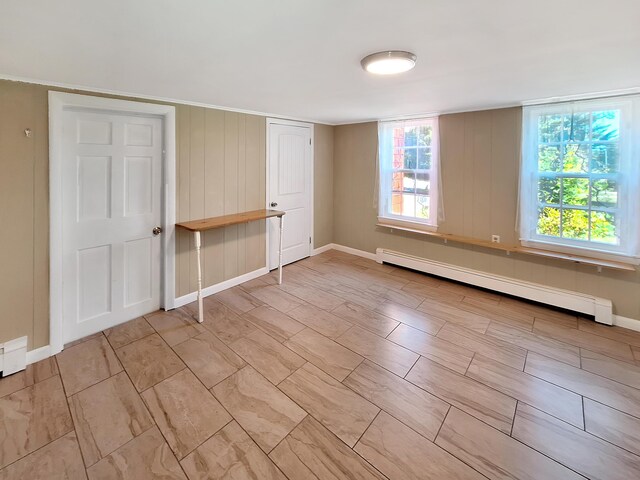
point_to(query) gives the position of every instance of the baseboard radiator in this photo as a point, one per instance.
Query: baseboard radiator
(13, 356)
(600, 308)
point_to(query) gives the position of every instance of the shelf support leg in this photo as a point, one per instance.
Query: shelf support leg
(280, 253)
(196, 236)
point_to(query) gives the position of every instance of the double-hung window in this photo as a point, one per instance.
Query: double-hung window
(408, 173)
(580, 177)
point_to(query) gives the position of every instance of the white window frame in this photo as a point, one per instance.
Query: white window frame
(385, 171)
(628, 180)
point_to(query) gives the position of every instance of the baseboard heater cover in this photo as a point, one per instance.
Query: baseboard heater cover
(13, 356)
(600, 308)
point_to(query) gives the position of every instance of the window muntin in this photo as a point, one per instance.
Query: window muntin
(408, 175)
(578, 166)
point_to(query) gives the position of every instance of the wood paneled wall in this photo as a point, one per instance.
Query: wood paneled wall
(220, 169)
(480, 154)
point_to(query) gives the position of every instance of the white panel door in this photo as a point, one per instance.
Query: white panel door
(111, 197)
(290, 178)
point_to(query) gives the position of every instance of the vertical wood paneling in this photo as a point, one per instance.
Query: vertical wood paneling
(196, 183)
(224, 161)
(480, 154)
(505, 142)
(452, 168)
(242, 189)
(214, 194)
(255, 198)
(183, 239)
(231, 192)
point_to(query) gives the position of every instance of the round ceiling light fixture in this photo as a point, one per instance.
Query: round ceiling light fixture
(389, 62)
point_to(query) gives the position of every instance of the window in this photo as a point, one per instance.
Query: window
(580, 176)
(408, 162)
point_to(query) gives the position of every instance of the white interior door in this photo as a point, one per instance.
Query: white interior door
(111, 198)
(290, 177)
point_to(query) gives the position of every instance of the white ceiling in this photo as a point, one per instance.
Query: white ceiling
(300, 58)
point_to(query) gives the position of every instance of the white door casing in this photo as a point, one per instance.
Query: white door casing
(130, 291)
(111, 202)
(290, 187)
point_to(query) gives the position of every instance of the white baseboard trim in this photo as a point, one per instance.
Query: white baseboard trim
(322, 249)
(38, 354)
(600, 308)
(626, 322)
(218, 287)
(354, 251)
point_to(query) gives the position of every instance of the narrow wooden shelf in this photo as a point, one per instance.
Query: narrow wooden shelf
(227, 220)
(611, 264)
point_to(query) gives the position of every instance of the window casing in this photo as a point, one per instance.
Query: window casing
(408, 173)
(580, 177)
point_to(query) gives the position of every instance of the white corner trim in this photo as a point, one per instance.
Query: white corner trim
(38, 354)
(218, 287)
(625, 322)
(600, 308)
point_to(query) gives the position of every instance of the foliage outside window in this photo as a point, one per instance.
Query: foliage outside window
(580, 176)
(408, 161)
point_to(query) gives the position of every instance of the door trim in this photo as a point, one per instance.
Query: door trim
(278, 121)
(58, 103)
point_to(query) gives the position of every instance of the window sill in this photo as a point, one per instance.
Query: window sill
(582, 259)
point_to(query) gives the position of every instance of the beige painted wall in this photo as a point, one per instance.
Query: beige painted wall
(479, 158)
(323, 185)
(220, 169)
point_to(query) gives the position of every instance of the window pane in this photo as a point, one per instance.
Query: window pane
(422, 183)
(424, 136)
(396, 203)
(550, 128)
(604, 193)
(548, 158)
(398, 158)
(576, 158)
(410, 136)
(603, 227)
(424, 158)
(408, 182)
(408, 205)
(410, 158)
(575, 191)
(397, 181)
(549, 190)
(606, 125)
(422, 206)
(576, 127)
(575, 224)
(549, 221)
(604, 157)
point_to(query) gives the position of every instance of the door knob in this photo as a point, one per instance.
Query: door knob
(157, 230)
(274, 204)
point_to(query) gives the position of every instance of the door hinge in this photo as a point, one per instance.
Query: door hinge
(309, 240)
(309, 141)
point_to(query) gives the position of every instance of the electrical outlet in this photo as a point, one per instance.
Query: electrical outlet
(495, 238)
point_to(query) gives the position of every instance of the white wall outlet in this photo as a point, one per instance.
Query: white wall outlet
(495, 238)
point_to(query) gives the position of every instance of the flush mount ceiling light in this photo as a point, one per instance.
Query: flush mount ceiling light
(389, 62)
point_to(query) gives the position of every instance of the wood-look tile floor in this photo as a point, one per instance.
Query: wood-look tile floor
(349, 370)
